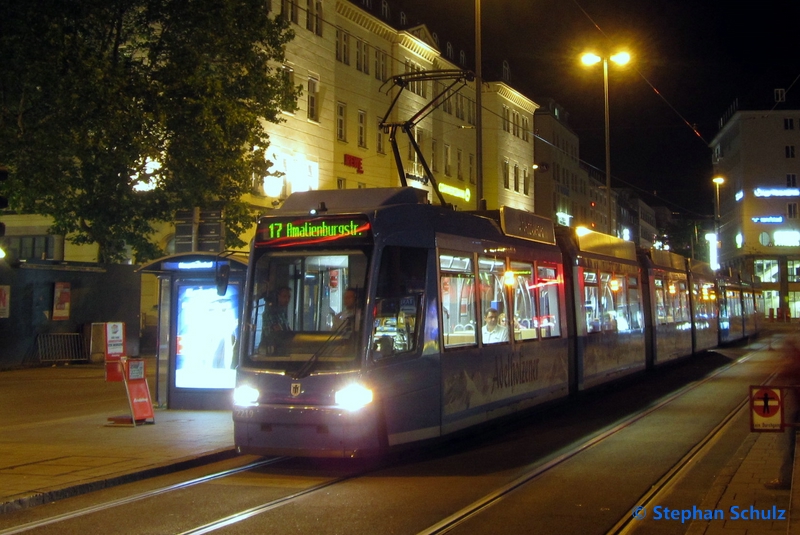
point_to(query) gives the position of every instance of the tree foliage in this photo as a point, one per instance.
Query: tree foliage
(100, 96)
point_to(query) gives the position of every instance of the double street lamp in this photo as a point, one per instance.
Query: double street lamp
(620, 58)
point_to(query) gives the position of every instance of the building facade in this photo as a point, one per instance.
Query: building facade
(345, 56)
(756, 153)
(567, 190)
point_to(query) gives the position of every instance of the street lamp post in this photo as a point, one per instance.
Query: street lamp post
(718, 181)
(620, 58)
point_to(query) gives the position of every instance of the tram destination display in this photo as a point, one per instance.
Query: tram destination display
(313, 230)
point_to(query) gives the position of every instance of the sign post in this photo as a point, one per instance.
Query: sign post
(132, 373)
(766, 409)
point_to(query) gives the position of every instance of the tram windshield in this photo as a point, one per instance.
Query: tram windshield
(305, 308)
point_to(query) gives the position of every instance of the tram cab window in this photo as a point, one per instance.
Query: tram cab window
(457, 284)
(493, 302)
(398, 301)
(295, 298)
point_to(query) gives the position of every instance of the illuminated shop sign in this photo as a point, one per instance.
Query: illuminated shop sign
(563, 218)
(739, 195)
(195, 265)
(279, 231)
(355, 162)
(768, 219)
(786, 238)
(776, 192)
(455, 192)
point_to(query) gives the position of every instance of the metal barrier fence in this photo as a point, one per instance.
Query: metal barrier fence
(60, 347)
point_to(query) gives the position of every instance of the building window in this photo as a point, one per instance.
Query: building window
(449, 49)
(471, 171)
(341, 121)
(362, 185)
(516, 177)
(385, 9)
(31, 247)
(416, 86)
(525, 182)
(791, 210)
(788, 124)
(362, 128)
(318, 18)
(790, 151)
(342, 46)
(506, 172)
(310, 4)
(447, 160)
(506, 71)
(287, 73)
(459, 170)
(515, 117)
(379, 140)
(766, 269)
(380, 65)
(462, 58)
(506, 119)
(794, 270)
(313, 99)
(289, 10)
(525, 129)
(402, 19)
(362, 56)
(791, 180)
(341, 183)
(434, 160)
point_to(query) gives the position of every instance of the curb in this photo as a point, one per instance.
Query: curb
(41, 498)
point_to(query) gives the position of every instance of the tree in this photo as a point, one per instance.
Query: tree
(116, 113)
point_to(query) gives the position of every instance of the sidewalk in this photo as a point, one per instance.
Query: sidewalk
(61, 445)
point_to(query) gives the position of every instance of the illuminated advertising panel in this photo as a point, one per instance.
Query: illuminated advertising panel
(776, 192)
(313, 230)
(767, 219)
(207, 326)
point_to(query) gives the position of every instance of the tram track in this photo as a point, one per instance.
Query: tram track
(661, 487)
(138, 497)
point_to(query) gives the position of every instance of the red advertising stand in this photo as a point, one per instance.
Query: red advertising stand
(132, 373)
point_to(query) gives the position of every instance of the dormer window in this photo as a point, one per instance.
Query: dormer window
(449, 50)
(385, 9)
(462, 58)
(506, 71)
(402, 19)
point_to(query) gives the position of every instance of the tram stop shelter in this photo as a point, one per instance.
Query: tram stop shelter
(199, 306)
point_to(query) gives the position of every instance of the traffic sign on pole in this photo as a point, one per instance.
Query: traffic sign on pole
(766, 408)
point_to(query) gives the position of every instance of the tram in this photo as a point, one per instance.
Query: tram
(374, 319)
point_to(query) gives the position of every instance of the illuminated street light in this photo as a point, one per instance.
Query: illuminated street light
(620, 58)
(718, 181)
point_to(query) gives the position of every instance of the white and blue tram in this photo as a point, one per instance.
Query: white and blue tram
(374, 319)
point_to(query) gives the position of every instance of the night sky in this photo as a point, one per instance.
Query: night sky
(691, 60)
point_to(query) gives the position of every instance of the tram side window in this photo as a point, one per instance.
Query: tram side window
(607, 303)
(457, 284)
(547, 284)
(749, 304)
(398, 301)
(591, 303)
(492, 299)
(661, 303)
(684, 301)
(525, 318)
(634, 304)
(734, 304)
(620, 320)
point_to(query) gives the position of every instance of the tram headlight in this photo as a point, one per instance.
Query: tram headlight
(245, 396)
(353, 397)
